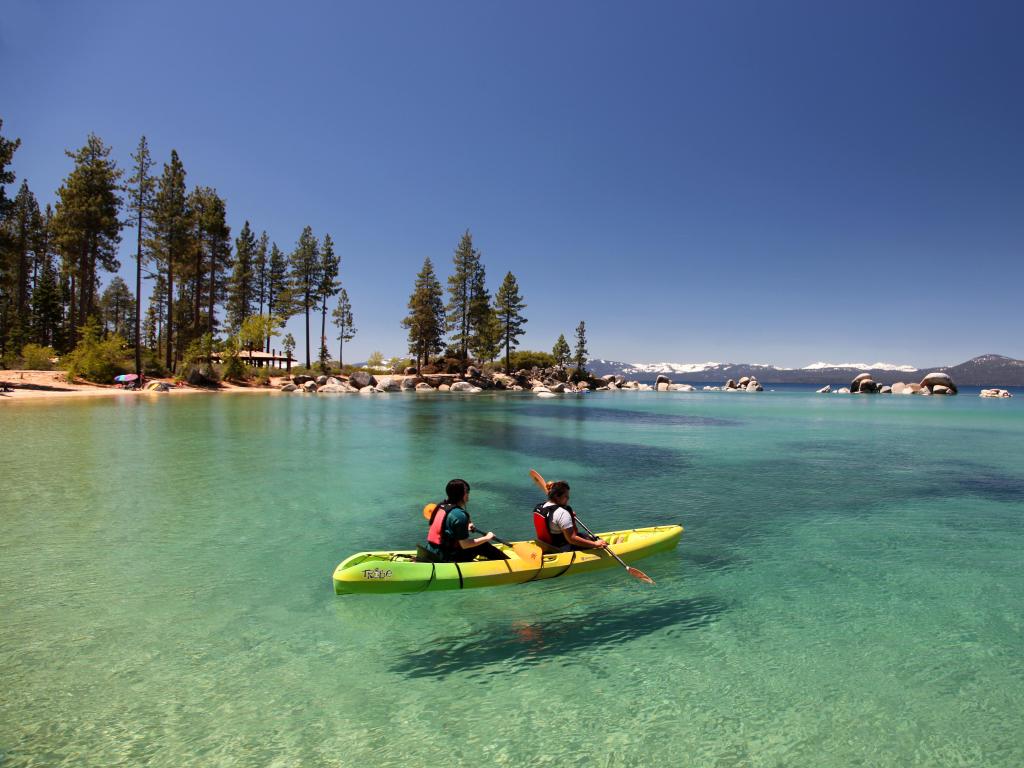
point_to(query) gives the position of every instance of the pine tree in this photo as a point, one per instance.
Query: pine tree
(329, 286)
(305, 276)
(509, 306)
(22, 236)
(260, 269)
(46, 308)
(7, 150)
(214, 240)
(279, 297)
(118, 309)
(463, 301)
(240, 286)
(7, 268)
(480, 312)
(580, 355)
(86, 224)
(141, 188)
(170, 240)
(488, 337)
(561, 352)
(426, 318)
(342, 317)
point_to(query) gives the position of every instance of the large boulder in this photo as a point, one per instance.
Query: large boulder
(409, 382)
(321, 380)
(825, 390)
(558, 387)
(932, 380)
(864, 387)
(301, 379)
(754, 386)
(742, 383)
(424, 387)
(464, 386)
(390, 386)
(332, 389)
(683, 388)
(662, 386)
(939, 389)
(361, 379)
(334, 381)
(662, 379)
(444, 388)
(583, 385)
(730, 384)
(886, 390)
(473, 372)
(898, 387)
(367, 390)
(289, 387)
(309, 386)
(842, 391)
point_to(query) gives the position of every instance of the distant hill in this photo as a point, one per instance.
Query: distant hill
(985, 370)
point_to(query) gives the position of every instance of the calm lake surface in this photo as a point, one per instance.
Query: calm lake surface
(849, 590)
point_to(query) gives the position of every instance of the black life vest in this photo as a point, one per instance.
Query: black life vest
(542, 523)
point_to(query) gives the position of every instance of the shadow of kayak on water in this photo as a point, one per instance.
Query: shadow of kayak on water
(522, 644)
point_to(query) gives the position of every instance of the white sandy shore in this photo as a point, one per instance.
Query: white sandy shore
(41, 386)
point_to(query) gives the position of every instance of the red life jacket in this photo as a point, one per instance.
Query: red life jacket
(437, 518)
(542, 523)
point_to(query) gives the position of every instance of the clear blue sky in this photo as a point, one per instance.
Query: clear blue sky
(774, 182)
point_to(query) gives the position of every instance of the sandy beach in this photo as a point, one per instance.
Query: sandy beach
(41, 386)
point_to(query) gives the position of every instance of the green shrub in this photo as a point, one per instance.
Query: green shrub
(528, 359)
(196, 367)
(234, 368)
(37, 358)
(96, 359)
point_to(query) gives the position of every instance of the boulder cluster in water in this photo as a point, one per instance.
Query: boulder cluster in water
(745, 384)
(546, 381)
(994, 393)
(862, 384)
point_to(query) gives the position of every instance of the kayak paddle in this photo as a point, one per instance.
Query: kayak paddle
(634, 572)
(524, 550)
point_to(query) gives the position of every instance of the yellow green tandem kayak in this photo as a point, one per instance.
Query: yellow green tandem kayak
(398, 572)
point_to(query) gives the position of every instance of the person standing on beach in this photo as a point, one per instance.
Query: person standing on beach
(555, 522)
(448, 539)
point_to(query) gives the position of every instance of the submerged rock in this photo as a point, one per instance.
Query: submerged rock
(825, 390)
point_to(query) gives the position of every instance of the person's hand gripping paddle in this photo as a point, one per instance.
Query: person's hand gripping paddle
(531, 553)
(636, 573)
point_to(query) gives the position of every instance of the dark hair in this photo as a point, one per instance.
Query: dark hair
(557, 490)
(456, 490)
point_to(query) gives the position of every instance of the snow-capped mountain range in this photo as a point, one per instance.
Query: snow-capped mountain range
(986, 370)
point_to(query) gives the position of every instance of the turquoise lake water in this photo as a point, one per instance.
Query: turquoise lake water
(849, 590)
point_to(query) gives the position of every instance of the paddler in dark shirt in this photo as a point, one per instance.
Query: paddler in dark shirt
(448, 539)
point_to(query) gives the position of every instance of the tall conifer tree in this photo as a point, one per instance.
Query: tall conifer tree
(509, 306)
(305, 276)
(240, 287)
(461, 296)
(170, 240)
(342, 317)
(581, 352)
(260, 268)
(141, 188)
(87, 223)
(279, 297)
(426, 318)
(329, 286)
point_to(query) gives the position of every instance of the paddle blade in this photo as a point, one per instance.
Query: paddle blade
(638, 574)
(428, 510)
